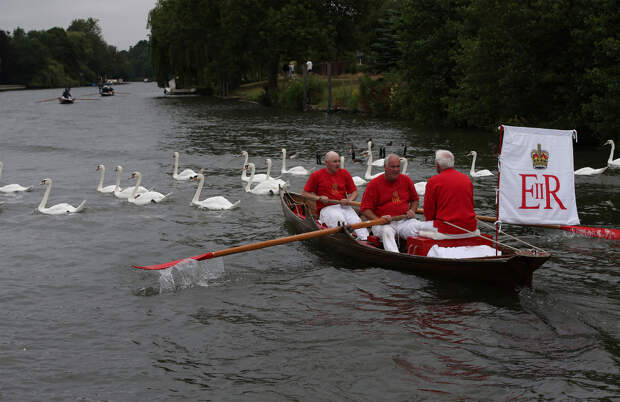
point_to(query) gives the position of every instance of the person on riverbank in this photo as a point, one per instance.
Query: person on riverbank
(334, 183)
(388, 195)
(66, 93)
(449, 197)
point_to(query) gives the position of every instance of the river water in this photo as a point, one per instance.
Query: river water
(282, 323)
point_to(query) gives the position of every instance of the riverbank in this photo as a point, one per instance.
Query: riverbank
(11, 87)
(345, 92)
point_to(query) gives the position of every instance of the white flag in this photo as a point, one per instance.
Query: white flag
(537, 183)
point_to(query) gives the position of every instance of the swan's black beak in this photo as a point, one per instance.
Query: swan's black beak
(42, 182)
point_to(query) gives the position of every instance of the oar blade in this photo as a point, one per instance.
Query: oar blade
(169, 264)
(601, 233)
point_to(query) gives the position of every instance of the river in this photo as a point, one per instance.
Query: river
(281, 323)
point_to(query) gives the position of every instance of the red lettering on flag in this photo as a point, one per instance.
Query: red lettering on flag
(527, 190)
(549, 192)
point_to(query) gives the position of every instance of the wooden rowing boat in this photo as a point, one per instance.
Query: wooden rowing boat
(64, 100)
(511, 269)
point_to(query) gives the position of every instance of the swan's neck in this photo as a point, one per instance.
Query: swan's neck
(118, 180)
(135, 189)
(175, 171)
(342, 162)
(100, 186)
(46, 195)
(283, 161)
(201, 182)
(610, 160)
(405, 165)
(1, 164)
(244, 175)
(368, 170)
(268, 168)
(473, 165)
(253, 170)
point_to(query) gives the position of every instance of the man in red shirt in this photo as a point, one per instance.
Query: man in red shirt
(389, 195)
(449, 197)
(333, 183)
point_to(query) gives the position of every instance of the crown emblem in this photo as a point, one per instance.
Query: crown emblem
(540, 158)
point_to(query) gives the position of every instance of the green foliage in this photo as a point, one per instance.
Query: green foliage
(385, 53)
(291, 92)
(212, 43)
(57, 58)
(377, 96)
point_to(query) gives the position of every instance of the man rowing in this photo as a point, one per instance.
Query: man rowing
(389, 195)
(449, 198)
(334, 183)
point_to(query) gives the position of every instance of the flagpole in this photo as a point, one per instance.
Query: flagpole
(501, 138)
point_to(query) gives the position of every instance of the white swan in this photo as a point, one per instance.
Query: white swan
(420, 187)
(58, 209)
(12, 188)
(270, 187)
(257, 178)
(126, 192)
(403, 165)
(588, 171)
(472, 171)
(275, 180)
(107, 189)
(378, 162)
(297, 170)
(358, 181)
(611, 162)
(216, 203)
(368, 176)
(144, 198)
(185, 174)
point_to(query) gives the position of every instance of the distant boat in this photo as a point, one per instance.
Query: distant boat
(106, 90)
(172, 90)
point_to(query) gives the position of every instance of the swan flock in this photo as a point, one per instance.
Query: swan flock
(260, 184)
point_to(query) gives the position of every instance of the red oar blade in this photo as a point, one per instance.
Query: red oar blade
(601, 233)
(173, 263)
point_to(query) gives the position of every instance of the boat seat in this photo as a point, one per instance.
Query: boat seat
(417, 245)
(443, 236)
(374, 241)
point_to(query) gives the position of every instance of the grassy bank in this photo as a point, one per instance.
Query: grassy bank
(11, 87)
(345, 92)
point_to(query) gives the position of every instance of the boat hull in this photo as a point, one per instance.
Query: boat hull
(513, 269)
(65, 101)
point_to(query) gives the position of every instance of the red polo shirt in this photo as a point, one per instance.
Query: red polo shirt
(335, 186)
(389, 198)
(449, 197)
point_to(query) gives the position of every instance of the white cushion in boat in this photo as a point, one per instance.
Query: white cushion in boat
(462, 252)
(443, 236)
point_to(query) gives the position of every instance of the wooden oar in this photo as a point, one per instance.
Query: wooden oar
(48, 100)
(86, 99)
(268, 243)
(601, 233)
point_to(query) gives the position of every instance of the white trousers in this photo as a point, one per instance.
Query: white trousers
(404, 228)
(333, 214)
